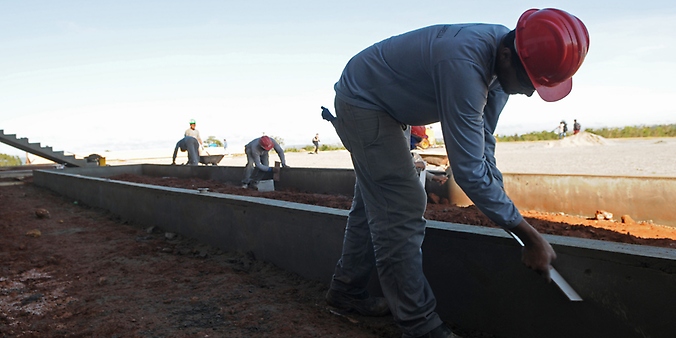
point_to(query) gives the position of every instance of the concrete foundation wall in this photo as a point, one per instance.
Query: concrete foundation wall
(642, 198)
(480, 284)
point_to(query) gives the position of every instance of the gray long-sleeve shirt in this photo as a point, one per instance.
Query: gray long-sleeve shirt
(253, 148)
(442, 73)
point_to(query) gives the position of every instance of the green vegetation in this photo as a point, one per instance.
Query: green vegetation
(668, 130)
(9, 161)
(311, 148)
(532, 136)
(664, 130)
(213, 140)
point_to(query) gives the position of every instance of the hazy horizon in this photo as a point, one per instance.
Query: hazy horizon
(85, 77)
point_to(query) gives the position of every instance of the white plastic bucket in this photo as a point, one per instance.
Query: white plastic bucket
(266, 185)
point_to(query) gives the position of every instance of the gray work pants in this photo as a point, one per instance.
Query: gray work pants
(193, 151)
(251, 173)
(386, 219)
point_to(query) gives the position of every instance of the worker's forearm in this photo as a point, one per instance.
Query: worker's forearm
(528, 235)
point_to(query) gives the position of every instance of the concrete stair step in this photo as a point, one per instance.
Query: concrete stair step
(36, 149)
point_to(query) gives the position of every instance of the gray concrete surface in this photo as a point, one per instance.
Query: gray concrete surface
(628, 290)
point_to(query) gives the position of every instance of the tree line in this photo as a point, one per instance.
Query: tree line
(9, 160)
(663, 130)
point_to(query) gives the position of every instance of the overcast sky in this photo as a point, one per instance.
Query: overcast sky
(91, 76)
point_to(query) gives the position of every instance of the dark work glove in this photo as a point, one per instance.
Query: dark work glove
(326, 114)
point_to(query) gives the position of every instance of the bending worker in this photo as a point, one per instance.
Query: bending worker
(189, 144)
(459, 75)
(257, 155)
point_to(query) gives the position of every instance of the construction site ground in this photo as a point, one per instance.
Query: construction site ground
(73, 271)
(68, 270)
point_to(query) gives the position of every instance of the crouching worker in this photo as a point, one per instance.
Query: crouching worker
(257, 158)
(191, 145)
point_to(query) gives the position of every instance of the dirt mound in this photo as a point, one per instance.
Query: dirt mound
(582, 139)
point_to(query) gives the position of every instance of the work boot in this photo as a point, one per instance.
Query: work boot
(441, 331)
(363, 303)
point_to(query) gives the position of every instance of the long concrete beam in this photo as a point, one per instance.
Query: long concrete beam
(480, 284)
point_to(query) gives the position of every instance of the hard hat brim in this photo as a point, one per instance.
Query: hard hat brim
(556, 92)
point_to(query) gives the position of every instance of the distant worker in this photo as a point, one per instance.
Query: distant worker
(576, 127)
(257, 158)
(560, 130)
(315, 141)
(193, 132)
(418, 137)
(461, 76)
(189, 144)
(225, 145)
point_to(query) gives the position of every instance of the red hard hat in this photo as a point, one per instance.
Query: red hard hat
(418, 131)
(551, 44)
(266, 143)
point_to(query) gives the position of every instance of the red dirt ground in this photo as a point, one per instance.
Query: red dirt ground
(67, 270)
(81, 272)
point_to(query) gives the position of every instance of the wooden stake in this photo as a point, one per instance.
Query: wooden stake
(275, 175)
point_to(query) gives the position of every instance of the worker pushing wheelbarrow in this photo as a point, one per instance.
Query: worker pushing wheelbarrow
(192, 146)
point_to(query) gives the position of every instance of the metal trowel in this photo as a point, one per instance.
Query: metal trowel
(556, 277)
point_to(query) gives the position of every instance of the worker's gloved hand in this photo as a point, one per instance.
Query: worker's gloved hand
(173, 163)
(285, 166)
(326, 114)
(270, 169)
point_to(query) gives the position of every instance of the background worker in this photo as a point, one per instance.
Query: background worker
(257, 158)
(189, 144)
(315, 141)
(417, 136)
(459, 75)
(561, 129)
(576, 127)
(193, 132)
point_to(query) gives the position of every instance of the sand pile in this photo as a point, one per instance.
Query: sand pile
(582, 139)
